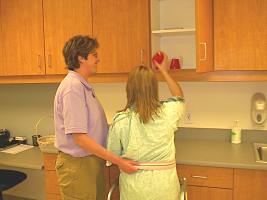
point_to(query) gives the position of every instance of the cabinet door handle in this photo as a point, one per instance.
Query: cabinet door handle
(142, 56)
(48, 60)
(38, 60)
(205, 46)
(199, 176)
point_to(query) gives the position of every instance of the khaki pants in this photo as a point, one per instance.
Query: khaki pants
(81, 178)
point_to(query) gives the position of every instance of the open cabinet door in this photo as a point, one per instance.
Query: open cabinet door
(204, 36)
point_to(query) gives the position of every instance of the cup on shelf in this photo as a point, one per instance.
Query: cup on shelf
(176, 62)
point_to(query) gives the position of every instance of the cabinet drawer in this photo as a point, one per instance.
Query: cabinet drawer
(206, 176)
(49, 161)
(51, 182)
(207, 193)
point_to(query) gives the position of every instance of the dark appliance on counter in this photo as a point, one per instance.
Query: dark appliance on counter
(5, 139)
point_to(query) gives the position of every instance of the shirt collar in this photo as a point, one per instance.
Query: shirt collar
(81, 79)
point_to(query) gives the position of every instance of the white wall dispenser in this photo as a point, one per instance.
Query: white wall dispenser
(258, 109)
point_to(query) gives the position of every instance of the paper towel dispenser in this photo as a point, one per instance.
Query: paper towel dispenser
(258, 109)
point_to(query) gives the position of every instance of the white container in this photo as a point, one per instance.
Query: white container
(236, 133)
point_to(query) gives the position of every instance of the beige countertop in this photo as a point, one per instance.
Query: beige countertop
(188, 152)
(28, 159)
(217, 154)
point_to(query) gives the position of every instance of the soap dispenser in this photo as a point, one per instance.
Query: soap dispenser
(258, 109)
(236, 133)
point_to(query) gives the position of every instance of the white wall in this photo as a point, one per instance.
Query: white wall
(214, 104)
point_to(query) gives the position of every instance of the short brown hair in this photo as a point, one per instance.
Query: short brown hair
(78, 46)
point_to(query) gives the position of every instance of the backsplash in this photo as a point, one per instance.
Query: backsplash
(214, 105)
(259, 136)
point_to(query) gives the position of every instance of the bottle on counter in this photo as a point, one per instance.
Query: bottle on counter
(236, 133)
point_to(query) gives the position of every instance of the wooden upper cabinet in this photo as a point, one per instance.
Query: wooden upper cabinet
(240, 34)
(22, 37)
(34, 32)
(63, 19)
(204, 36)
(123, 30)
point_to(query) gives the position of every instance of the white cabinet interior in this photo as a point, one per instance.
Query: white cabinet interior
(173, 30)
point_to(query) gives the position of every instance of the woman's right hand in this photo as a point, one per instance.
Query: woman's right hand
(163, 66)
(127, 166)
(174, 87)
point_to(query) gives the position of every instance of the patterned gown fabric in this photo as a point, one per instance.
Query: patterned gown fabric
(152, 142)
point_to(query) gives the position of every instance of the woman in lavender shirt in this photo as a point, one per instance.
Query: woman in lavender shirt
(81, 127)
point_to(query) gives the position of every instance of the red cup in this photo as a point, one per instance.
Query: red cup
(175, 64)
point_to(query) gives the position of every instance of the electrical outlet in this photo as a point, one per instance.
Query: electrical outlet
(188, 117)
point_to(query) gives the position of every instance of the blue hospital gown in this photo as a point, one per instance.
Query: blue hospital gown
(128, 138)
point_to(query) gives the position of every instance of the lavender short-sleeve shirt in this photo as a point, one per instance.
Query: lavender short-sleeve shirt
(77, 110)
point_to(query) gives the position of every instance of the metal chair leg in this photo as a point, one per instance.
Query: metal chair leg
(183, 192)
(112, 187)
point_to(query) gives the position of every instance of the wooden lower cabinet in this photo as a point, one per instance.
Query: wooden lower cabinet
(207, 183)
(51, 181)
(53, 197)
(250, 184)
(218, 183)
(203, 183)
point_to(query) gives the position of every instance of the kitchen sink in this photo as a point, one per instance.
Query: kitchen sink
(260, 151)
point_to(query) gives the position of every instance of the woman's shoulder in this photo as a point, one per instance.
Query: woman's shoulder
(173, 105)
(121, 115)
(119, 120)
(175, 99)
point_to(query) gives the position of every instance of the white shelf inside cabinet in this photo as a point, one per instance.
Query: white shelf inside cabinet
(174, 32)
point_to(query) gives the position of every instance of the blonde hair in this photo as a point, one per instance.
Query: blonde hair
(142, 93)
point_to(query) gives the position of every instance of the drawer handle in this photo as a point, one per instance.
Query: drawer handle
(48, 60)
(38, 60)
(205, 46)
(199, 176)
(142, 56)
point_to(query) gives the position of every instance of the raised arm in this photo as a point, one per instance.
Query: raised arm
(174, 87)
